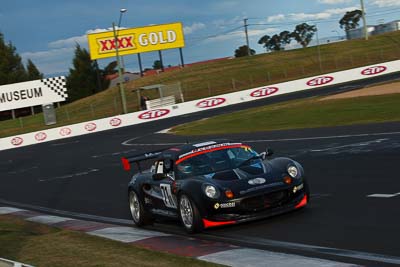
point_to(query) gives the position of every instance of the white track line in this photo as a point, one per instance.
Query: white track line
(68, 176)
(126, 234)
(48, 219)
(126, 143)
(318, 249)
(262, 258)
(321, 137)
(384, 195)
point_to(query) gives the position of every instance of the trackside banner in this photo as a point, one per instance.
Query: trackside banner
(306, 84)
(33, 93)
(136, 40)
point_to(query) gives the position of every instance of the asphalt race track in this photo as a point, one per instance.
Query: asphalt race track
(344, 165)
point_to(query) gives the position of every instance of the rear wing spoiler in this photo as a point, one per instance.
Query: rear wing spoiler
(126, 161)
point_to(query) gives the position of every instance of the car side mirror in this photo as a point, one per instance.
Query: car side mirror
(159, 176)
(269, 152)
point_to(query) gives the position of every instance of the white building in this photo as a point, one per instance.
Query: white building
(359, 32)
(374, 30)
(387, 27)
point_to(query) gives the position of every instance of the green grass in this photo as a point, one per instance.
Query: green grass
(41, 245)
(306, 113)
(220, 77)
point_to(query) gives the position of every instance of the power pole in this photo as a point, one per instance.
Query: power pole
(120, 78)
(364, 20)
(247, 36)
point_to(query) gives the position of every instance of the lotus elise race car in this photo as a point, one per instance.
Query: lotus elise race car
(213, 184)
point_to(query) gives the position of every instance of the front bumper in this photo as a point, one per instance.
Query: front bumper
(238, 215)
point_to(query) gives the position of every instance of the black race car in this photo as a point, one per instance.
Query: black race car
(214, 183)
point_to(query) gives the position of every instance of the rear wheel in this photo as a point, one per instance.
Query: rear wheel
(190, 215)
(139, 215)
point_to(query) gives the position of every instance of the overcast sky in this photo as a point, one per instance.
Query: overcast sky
(47, 31)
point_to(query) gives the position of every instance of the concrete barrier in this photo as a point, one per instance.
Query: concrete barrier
(199, 105)
(8, 263)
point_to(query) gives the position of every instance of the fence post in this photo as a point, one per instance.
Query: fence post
(92, 110)
(21, 123)
(115, 105)
(285, 73)
(233, 84)
(67, 114)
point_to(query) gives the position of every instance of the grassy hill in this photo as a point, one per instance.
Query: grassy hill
(219, 77)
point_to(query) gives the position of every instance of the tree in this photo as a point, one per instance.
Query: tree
(303, 33)
(33, 72)
(264, 41)
(157, 65)
(11, 68)
(277, 42)
(82, 78)
(111, 68)
(285, 38)
(243, 51)
(350, 20)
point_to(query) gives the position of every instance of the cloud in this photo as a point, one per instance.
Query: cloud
(51, 61)
(276, 18)
(326, 14)
(386, 3)
(81, 40)
(225, 23)
(241, 35)
(58, 57)
(334, 2)
(70, 42)
(194, 27)
(225, 5)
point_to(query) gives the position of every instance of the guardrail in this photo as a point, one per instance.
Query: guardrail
(199, 105)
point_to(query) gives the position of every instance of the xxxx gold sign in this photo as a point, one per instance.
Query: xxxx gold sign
(136, 40)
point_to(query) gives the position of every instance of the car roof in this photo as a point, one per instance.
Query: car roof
(177, 152)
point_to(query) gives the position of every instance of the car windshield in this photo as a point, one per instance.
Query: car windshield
(218, 160)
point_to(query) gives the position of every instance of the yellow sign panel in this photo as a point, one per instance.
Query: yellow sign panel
(136, 40)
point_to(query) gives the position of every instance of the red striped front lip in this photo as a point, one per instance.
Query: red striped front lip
(208, 224)
(302, 202)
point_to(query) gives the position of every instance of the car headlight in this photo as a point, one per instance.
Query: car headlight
(293, 171)
(211, 191)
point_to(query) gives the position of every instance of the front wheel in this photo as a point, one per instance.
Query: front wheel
(139, 215)
(190, 215)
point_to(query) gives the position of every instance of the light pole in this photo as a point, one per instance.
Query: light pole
(121, 85)
(364, 20)
(318, 48)
(247, 36)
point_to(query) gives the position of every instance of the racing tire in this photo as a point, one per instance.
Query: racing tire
(139, 215)
(190, 215)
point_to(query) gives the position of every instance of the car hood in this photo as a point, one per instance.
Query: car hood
(248, 179)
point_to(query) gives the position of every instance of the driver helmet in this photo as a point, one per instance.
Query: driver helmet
(185, 167)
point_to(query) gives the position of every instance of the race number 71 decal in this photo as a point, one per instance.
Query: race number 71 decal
(169, 199)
